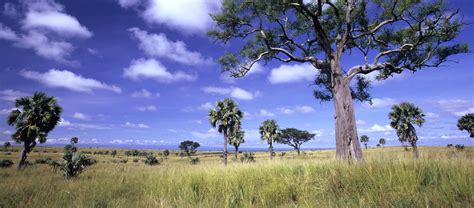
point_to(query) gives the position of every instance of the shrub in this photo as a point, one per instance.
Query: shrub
(6, 163)
(151, 160)
(248, 157)
(74, 162)
(282, 154)
(459, 146)
(135, 160)
(194, 161)
(449, 145)
(123, 161)
(43, 160)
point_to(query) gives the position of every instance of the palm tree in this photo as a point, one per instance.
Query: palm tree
(236, 140)
(364, 139)
(466, 123)
(226, 118)
(382, 142)
(6, 145)
(269, 131)
(33, 119)
(403, 118)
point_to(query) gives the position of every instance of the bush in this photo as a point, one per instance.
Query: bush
(248, 157)
(282, 154)
(449, 145)
(194, 161)
(135, 160)
(151, 160)
(459, 146)
(6, 163)
(123, 161)
(43, 160)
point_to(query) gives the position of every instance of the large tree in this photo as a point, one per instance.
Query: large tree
(294, 137)
(391, 36)
(236, 139)
(33, 119)
(189, 147)
(403, 119)
(466, 123)
(226, 118)
(364, 139)
(269, 131)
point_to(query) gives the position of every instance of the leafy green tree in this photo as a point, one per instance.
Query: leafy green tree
(151, 160)
(33, 119)
(113, 153)
(166, 153)
(269, 131)
(382, 142)
(74, 140)
(226, 118)
(74, 162)
(403, 117)
(294, 137)
(390, 37)
(466, 123)
(236, 139)
(189, 147)
(364, 139)
(6, 145)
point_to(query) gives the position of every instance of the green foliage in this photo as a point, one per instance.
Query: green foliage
(166, 153)
(364, 139)
(294, 137)
(466, 123)
(236, 139)
(6, 145)
(382, 141)
(43, 160)
(403, 117)
(151, 160)
(269, 131)
(74, 162)
(459, 146)
(33, 118)
(194, 161)
(247, 157)
(6, 163)
(189, 147)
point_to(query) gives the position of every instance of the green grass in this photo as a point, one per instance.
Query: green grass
(389, 177)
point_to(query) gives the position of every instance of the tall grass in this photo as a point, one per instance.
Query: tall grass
(385, 179)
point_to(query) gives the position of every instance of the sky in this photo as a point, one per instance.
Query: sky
(143, 74)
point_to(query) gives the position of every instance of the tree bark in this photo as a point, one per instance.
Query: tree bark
(365, 145)
(298, 150)
(270, 149)
(236, 153)
(225, 149)
(23, 155)
(415, 151)
(347, 143)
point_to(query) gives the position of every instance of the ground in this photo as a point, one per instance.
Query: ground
(389, 177)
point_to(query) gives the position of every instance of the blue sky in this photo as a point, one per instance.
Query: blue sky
(143, 73)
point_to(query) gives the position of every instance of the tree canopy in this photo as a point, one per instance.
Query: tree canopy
(189, 147)
(294, 138)
(466, 123)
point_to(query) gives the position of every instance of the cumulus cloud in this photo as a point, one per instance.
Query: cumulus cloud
(298, 109)
(187, 16)
(153, 69)
(81, 116)
(143, 93)
(128, 3)
(158, 45)
(69, 80)
(265, 113)
(205, 106)
(235, 92)
(457, 107)
(287, 73)
(11, 95)
(376, 128)
(45, 28)
(147, 108)
(74, 126)
(211, 133)
(380, 103)
(360, 122)
(139, 125)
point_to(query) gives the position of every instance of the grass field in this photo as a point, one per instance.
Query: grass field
(442, 177)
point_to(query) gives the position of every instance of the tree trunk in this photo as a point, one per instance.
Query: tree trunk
(236, 153)
(225, 149)
(347, 143)
(23, 155)
(270, 149)
(415, 151)
(365, 146)
(298, 150)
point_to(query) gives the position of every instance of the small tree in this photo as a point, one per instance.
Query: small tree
(294, 137)
(382, 142)
(364, 139)
(403, 117)
(189, 147)
(6, 145)
(74, 162)
(166, 153)
(151, 160)
(113, 153)
(269, 132)
(466, 123)
(236, 139)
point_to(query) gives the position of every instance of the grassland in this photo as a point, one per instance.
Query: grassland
(389, 177)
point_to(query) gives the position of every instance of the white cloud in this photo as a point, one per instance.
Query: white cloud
(380, 103)
(139, 125)
(457, 107)
(266, 113)
(431, 115)
(81, 116)
(287, 73)
(376, 128)
(153, 69)
(211, 133)
(205, 106)
(187, 16)
(159, 45)
(299, 109)
(373, 80)
(68, 80)
(6, 111)
(69, 125)
(128, 3)
(147, 108)
(11, 95)
(318, 133)
(41, 18)
(257, 68)
(235, 92)
(143, 93)
(360, 122)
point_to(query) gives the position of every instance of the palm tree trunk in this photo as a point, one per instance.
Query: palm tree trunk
(23, 155)
(415, 151)
(270, 149)
(236, 153)
(225, 149)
